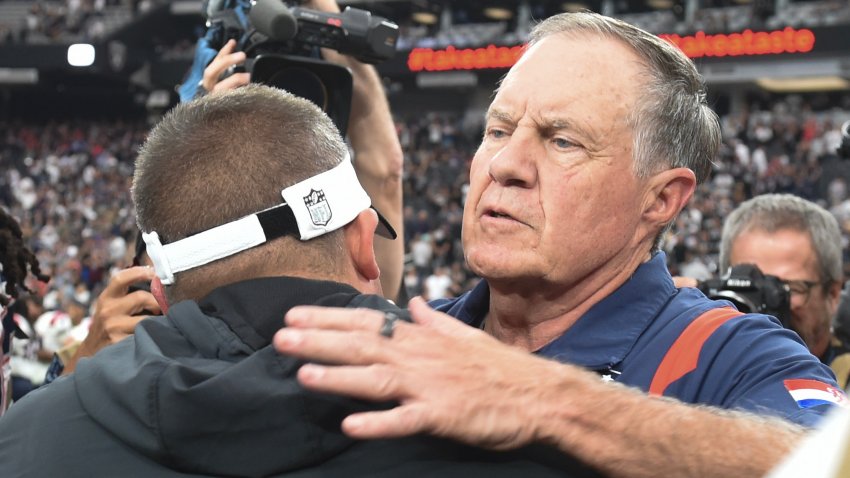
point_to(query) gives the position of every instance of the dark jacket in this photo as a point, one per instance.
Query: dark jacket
(202, 392)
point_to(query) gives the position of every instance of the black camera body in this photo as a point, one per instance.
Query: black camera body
(752, 291)
(281, 41)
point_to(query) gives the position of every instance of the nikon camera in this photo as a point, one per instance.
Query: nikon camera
(752, 291)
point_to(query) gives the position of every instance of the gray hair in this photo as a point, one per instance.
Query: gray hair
(673, 125)
(775, 212)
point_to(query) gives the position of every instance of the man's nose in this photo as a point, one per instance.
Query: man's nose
(515, 164)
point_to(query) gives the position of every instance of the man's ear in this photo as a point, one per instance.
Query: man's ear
(667, 194)
(158, 291)
(360, 242)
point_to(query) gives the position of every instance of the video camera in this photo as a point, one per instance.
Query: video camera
(281, 41)
(752, 291)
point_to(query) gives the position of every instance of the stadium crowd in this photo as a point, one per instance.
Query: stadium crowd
(70, 20)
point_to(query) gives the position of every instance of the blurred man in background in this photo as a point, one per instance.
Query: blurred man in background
(799, 242)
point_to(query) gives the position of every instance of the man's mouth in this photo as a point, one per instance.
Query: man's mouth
(498, 214)
(501, 214)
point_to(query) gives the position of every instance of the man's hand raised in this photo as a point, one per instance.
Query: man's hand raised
(451, 379)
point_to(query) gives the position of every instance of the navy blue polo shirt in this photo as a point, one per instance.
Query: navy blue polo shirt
(749, 363)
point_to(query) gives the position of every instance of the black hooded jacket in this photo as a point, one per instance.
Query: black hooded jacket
(201, 392)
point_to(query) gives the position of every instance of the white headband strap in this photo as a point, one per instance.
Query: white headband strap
(311, 208)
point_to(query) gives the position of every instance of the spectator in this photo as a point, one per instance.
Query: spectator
(17, 262)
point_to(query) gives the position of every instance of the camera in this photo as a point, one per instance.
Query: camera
(752, 291)
(281, 41)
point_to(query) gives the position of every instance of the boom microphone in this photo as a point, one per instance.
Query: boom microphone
(213, 7)
(273, 19)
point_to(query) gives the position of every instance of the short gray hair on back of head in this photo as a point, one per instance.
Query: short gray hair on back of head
(775, 212)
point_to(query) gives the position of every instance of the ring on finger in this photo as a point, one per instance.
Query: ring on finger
(388, 326)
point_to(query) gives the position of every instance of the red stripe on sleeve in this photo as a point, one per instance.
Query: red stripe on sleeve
(684, 354)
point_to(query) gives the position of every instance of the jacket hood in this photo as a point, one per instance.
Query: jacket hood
(202, 390)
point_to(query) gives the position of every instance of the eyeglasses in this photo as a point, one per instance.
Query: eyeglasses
(802, 288)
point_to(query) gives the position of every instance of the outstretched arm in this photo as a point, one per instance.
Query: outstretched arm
(377, 151)
(456, 381)
(378, 156)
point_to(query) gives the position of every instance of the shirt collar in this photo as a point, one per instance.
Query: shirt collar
(472, 308)
(604, 335)
(254, 309)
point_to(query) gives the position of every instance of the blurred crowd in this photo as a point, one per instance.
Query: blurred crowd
(69, 186)
(67, 20)
(786, 148)
(48, 21)
(69, 183)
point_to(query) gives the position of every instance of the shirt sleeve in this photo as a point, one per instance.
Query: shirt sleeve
(751, 363)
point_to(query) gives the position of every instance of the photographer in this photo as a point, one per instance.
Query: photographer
(800, 243)
(124, 302)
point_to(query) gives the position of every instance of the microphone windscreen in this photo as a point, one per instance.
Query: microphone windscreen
(213, 7)
(273, 19)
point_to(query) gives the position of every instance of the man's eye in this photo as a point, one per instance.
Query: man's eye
(496, 133)
(563, 143)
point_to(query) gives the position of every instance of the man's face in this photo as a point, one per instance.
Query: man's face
(789, 255)
(552, 196)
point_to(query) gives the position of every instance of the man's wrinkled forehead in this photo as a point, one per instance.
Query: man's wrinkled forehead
(571, 81)
(547, 122)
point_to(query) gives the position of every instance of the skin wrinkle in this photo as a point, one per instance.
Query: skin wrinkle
(551, 189)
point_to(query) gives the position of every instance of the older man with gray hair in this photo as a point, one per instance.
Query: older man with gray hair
(594, 142)
(799, 242)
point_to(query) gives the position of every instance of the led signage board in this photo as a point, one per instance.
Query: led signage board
(698, 45)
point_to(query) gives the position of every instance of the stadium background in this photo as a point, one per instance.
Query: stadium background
(777, 73)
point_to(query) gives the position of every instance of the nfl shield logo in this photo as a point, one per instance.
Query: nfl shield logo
(320, 210)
